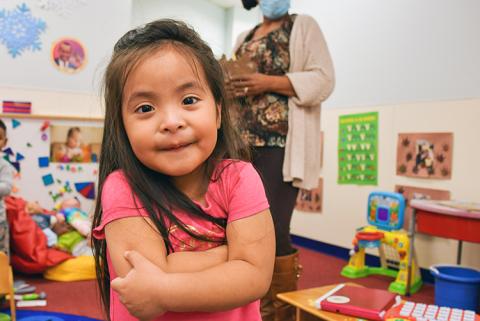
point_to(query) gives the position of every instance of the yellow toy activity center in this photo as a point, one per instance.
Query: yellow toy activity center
(385, 214)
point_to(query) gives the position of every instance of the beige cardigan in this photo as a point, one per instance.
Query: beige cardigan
(312, 77)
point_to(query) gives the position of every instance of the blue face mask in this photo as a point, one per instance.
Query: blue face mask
(274, 9)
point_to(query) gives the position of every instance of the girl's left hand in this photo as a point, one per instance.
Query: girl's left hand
(251, 84)
(136, 288)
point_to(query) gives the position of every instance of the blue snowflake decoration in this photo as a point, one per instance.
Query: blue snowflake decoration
(19, 30)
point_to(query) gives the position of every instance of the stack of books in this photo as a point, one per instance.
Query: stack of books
(25, 295)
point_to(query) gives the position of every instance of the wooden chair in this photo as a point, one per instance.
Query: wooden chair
(6, 282)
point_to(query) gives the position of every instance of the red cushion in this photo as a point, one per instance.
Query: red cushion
(28, 244)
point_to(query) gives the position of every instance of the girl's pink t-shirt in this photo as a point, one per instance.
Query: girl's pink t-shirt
(235, 191)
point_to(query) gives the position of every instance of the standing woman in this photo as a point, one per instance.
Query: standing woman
(281, 120)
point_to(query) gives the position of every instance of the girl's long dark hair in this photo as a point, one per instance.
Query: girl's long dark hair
(154, 190)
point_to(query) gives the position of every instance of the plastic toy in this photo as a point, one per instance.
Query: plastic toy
(385, 214)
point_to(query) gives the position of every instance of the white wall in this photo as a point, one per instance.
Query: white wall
(384, 52)
(208, 19)
(96, 24)
(239, 20)
(57, 102)
(344, 205)
(397, 51)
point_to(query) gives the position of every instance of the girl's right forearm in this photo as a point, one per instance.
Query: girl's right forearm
(186, 262)
(220, 288)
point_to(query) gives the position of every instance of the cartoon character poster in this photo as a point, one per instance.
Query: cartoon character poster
(357, 149)
(425, 155)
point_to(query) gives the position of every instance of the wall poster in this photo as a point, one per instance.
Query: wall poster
(357, 149)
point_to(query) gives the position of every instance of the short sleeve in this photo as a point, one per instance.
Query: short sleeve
(117, 202)
(246, 193)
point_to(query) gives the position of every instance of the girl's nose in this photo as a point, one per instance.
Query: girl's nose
(172, 121)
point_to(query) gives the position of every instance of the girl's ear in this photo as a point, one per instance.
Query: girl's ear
(219, 116)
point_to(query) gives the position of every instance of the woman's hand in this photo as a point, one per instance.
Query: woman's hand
(257, 84)
(230, 88)
(250, 84)
(140, 290)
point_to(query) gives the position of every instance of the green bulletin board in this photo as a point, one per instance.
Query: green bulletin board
(357, 149)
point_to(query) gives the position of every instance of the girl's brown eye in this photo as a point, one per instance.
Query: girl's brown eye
(144, 109)
(190, 100)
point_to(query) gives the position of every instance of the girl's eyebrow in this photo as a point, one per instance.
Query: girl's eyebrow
(189, 85)
(149, 94)
(142, 94)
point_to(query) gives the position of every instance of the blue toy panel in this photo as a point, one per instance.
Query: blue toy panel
(386, 210)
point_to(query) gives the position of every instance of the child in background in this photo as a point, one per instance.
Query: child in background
(74, 150)
(45, 220)
(73, 214)
(58, 228)
(181, 223)
(6, 184)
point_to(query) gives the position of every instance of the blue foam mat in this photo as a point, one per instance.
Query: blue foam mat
(26, 315)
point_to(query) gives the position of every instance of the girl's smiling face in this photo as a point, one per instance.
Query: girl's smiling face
(169, 113)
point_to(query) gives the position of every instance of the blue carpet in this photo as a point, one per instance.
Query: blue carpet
(25, 315)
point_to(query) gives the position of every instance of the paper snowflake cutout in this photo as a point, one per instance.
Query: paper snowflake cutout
(61, 7)
(19, 30)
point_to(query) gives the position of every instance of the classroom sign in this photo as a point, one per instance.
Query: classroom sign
(358, 149)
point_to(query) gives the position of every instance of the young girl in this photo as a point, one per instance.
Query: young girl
(74, 145)
(72, 150)
(182, 225)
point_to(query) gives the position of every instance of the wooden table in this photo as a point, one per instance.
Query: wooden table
(303, 300)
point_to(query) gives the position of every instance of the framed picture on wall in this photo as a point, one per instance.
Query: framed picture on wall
(425, 155)
(68, 55)
(310, 200)
(75, 144)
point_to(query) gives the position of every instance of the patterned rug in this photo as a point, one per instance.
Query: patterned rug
(25, 315)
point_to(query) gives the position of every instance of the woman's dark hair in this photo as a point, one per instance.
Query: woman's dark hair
(154, 190)
(249, 4)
